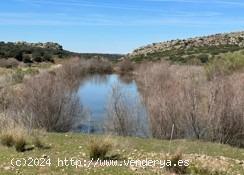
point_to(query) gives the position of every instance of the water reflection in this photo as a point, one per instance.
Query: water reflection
(95, 92)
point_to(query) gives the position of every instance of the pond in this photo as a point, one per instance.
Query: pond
(95, 93)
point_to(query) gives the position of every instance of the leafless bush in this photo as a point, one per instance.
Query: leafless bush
(160, 90)
(226, 110)
(9, 63)
(48, 102)
(101, 65)
(124, 117)
(194, 106)
(125, 66)
(182, 97)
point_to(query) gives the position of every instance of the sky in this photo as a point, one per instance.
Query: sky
(116, 26)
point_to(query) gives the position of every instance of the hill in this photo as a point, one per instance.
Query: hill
(198, 49)
(12, 53)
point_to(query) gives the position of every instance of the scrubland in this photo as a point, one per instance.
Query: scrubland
(192, 112)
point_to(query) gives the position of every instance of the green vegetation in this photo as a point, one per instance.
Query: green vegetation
(19, 74)
(225, 64)
(7, 140)
(224, 159)
(188, 55)
(99, 148)
(30, 53)
(20, 144)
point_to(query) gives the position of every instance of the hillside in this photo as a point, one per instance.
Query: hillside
(205, 158)
(199, 49)
(13, 53)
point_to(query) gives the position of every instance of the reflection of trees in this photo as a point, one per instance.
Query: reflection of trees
(97, 79)
(126, 116)
(126, 79)
(100, 79)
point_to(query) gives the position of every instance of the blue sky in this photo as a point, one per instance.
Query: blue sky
(116, 26)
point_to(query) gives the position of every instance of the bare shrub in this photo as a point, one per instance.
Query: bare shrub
(125, 66)
(181, 96)
(72, 71)
(163, 97)
(49, 100)
(226, 112)
(9, 63)
(46, 101)
(194, 106)
(96, 65)
(4, 99)
(125, 117)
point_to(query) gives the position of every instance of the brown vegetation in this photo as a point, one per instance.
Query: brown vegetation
(49, 100)
(125, 117)
(181, 96)
(99, 148)
(9, 63)
(125, 66)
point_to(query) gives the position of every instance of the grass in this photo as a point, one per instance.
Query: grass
(76, 145)
(7, 140)
(99, 148)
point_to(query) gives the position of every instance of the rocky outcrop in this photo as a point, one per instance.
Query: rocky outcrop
(235, 39)
(47, 45)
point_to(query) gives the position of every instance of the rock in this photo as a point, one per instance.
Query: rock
(7, 168)
(234, 39)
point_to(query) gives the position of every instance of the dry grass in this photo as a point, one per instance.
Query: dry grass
(177, 165)
(16, 136)
(100, 147)
(7, 140)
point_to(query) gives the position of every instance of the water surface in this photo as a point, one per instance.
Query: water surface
(94, 93)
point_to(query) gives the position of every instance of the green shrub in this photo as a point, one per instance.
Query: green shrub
(7, 140)
(224, 64)
(204, 58)
(18, 76)
(99, 147)
(20, 144)
(27, 58)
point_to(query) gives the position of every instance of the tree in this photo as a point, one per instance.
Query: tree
(37, 56)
